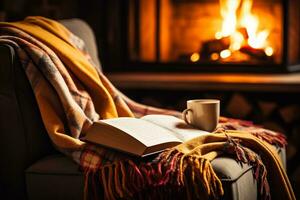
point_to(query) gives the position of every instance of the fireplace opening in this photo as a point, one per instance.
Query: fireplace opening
(209, 35)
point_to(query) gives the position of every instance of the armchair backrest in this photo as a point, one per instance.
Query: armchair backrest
(23, 138)
(85, 32)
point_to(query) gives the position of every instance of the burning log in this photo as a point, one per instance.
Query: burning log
(214, 46)
(244, 32)
(258, 54)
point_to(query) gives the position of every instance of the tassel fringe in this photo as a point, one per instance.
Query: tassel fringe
(171, 174)
(271, 137)
(245, 155)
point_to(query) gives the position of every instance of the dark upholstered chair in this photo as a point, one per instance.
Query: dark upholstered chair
(32, 169)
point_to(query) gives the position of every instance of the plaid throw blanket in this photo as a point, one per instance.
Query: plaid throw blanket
(71, 94)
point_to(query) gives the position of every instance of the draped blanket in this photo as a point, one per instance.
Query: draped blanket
(72, 94)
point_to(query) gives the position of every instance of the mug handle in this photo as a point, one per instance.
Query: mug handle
(184, 114)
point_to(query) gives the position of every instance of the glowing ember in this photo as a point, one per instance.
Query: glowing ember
(225, 53)
(214, 56)
(248, 22)
(269, 51)
(195, 57)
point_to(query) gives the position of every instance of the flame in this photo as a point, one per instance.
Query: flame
(247, 19)
(228, 10)
(257, 39)
(232, 24)
(237, 40)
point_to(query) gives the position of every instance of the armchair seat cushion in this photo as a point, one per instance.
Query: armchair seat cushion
(237, 179)
(54, 177)
(58, 177)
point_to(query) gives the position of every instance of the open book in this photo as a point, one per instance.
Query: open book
(147, 135)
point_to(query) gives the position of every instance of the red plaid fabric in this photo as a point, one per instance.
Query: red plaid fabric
(95, 157)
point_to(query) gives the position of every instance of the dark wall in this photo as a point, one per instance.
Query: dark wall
(18, 9)
(102, 15)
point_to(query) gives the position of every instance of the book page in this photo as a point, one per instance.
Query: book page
(146, 132)
(179, 128)
(110, 136)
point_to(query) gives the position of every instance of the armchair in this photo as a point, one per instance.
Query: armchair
(32, 169)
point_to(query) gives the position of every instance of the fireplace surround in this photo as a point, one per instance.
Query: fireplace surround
(260, 36)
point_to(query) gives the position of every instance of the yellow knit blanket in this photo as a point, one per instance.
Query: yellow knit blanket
(72, 94)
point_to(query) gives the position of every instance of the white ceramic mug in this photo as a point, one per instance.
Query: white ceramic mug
(202, 113)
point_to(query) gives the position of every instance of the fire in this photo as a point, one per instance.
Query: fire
(232, 25)
(228, 13)
(257, 39)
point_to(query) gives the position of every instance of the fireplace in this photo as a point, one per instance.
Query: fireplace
(203, 35)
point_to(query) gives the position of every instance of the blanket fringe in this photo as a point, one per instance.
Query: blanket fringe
(245, 155)
(279, 139)
(271, 137)
(163, 178)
